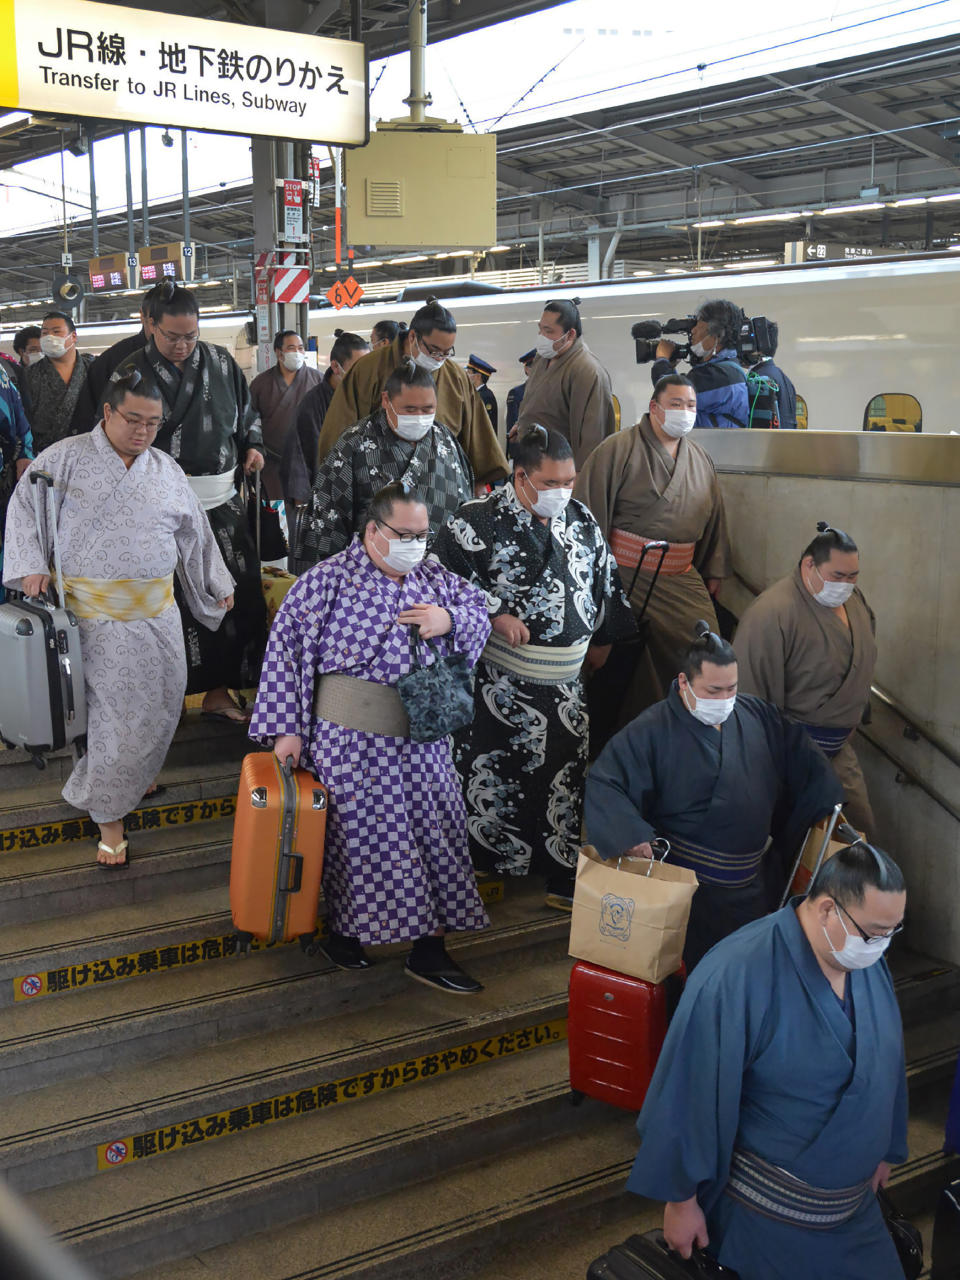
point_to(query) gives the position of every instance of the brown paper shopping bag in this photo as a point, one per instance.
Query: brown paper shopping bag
(633, 918)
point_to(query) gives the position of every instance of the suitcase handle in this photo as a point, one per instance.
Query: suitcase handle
(44, 478)
(71, 709)
(291, 862)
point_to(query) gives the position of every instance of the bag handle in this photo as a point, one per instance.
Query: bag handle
(657, 845)
(663, 548)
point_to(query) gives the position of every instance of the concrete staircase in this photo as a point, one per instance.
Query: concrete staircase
(175, 1110)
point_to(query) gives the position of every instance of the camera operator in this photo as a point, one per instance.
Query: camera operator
(717, 377)
(786, 392)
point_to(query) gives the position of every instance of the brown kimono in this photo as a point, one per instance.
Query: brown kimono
(798, 655)
(277, 402)
(570, 394)
(458, 406)
(634, 487)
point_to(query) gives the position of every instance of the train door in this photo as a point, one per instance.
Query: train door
(893, 411)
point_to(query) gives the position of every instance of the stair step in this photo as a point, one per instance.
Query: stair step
(188, 848)
(369, 1154)
(454, 1223)
(126, 1116)
(925, 987)
(53, 1040)
(196, 741)
(80, 953)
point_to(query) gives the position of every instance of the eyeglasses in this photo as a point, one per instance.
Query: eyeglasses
(406, 537)
(178, 339)
(438, 353)
(154, 424)
(867, 937)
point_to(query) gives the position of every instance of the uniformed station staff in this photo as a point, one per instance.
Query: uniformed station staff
(479, 371)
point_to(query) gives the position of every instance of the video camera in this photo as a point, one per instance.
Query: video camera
(647, 333)
(754, 342)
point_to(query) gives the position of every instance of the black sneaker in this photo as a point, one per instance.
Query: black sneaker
(445, 975)
(345, 953)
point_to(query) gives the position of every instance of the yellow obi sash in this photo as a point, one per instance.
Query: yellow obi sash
(543, 664)
(120, 599)
(626, 548)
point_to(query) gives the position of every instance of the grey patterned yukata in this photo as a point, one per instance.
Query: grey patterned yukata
(397, 865)
(114, 523)
(366, 458)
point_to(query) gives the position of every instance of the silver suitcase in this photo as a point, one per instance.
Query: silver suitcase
(42, 702)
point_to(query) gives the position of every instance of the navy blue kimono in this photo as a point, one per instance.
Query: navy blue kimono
(761, 1057)
(666, 774)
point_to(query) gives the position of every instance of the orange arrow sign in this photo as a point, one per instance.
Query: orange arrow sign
(344, 293)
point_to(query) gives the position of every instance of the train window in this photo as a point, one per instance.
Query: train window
(893, 411)
(801, 414)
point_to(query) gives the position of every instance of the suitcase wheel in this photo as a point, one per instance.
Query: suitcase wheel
(308, 943)
(576, 1097)
(38, 761)
(244, 943)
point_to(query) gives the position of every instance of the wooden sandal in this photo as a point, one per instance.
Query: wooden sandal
(123, 847)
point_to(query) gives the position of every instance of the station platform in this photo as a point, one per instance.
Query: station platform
(177, 1110)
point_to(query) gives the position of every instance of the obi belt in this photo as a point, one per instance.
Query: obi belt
(118, 599)
(771, 1191)
(539, 663)
(728, 870)
(830, 741)
(626, 548)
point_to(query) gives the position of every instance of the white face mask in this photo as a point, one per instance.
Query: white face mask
(709, 711)
(32, 357)
(401, 557)
(294, 360)
(832, 594)
(545, 347)
(549, 502)
(677, 422)
(430, 363)
(856, 952)
(699, 350)
(52, 345)
(413, 426)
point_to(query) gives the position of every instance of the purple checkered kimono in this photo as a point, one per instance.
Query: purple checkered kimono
(397, 864)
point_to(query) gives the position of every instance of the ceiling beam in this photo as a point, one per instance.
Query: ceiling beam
(521, 180)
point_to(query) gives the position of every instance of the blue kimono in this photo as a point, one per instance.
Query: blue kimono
(761, 1057)
(718, 798)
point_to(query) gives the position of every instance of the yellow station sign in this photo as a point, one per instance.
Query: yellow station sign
(84, 59)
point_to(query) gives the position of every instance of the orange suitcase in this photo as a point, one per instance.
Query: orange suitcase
(277, 857)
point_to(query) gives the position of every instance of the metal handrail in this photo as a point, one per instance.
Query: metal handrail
(27, 1252)
(945, 748)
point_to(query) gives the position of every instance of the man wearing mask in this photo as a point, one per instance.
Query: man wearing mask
(26, 347)
(430, 343)
(53, 388)
(298, 466)
(720, 776)
(652, 483)
(719, 381)
(779, 1102)
(402, 441)
(555, 601)
(568, 389)
(807, 645)
(276, 395)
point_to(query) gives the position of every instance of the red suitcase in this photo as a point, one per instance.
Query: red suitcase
(276, 862)
(616, 1026)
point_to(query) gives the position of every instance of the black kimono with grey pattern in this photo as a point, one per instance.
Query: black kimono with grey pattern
(523, 760)
(208, 427)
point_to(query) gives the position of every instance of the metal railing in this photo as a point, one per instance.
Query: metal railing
(915, 727)
(27, 1252)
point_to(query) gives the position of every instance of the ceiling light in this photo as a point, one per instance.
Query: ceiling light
(853, 208)
(644, 273)
(367, 266)
(676, 271)
(13, 117)
(752, 262)
(955, 195)
(713, 222)
(500, 248)
(902, 204)
(399, 262)
(766, 217)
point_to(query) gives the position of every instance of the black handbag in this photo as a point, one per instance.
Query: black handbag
(906, 1237)
(265, 527)
(438, 698)
(649, 1257)
(607, 687)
